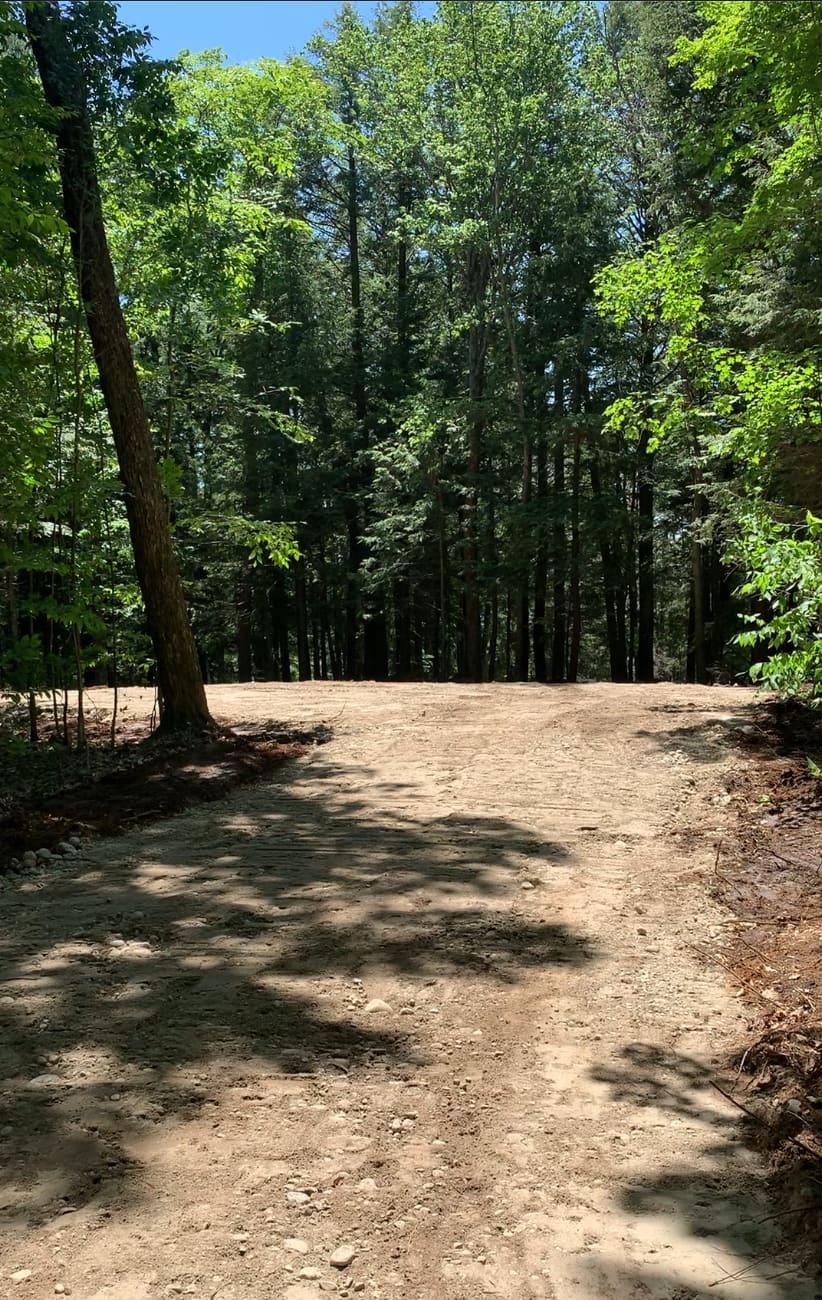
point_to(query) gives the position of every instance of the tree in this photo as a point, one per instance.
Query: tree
(178, 670)
(482, 343)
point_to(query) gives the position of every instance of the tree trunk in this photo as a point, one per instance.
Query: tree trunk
(645, 566)
(301, 609)
(471, 604)
(375, 638)
(541, 564)
(402, 629)
(560, 558)
(698, 664)
(523, 651)
(575, 592)
(611, 582)
(178, 668)
(352, 667)
(442, 657)
(244, 596)
(477, 275)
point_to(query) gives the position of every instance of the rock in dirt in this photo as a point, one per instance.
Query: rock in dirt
(297, 1198)
(366, 1185)
(29, 860)
(45, 1081)
(377, 1005)
(67, 849)
(297, 1244)
(310, 1274)
(22, 1275)
(44, 855)
(342, 1257)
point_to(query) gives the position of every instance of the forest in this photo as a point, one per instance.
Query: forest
(482, 344)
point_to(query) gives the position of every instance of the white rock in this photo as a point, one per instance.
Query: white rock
(342, 1257)
(297, 1244)
(22, 1275)
(377, 1004)
(310, 1274)
(45, 1081)
(526, 884)
(297, 1198)
(366, 1185)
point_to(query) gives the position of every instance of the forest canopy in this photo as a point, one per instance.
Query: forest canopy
(482, 345)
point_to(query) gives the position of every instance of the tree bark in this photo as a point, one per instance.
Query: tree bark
(477, 275)
(541, 564)
(523, 650)
(645, 567)
(576, 577)
(560, 557)
(613, 591)
(697, 656)
(402, 629)
(178, 669)
(301, 609)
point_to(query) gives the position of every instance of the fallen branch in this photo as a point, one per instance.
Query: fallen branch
(746, 1110)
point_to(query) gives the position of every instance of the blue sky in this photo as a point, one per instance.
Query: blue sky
(245, 29)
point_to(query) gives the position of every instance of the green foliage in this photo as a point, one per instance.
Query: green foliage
(785, 567)
(505, 314)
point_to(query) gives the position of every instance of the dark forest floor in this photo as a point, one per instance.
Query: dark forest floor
(53, 791)
(768, 873)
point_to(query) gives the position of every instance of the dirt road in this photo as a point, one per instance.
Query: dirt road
(430, 998)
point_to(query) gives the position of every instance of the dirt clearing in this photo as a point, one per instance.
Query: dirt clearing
(422, 1016)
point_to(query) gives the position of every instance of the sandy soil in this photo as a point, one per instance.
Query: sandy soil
(431, 994)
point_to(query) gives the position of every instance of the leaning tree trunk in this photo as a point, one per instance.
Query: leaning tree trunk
(178, 668)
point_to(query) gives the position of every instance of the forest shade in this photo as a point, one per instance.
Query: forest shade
(483, 345)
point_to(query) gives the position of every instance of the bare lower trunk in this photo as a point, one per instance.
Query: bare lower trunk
(645, 569)
(541, 565)
(178, 669)
(575, 593)
(560, 556)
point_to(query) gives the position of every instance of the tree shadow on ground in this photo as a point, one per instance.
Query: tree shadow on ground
(125, 980)
(720, 1205)
(703, 742)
